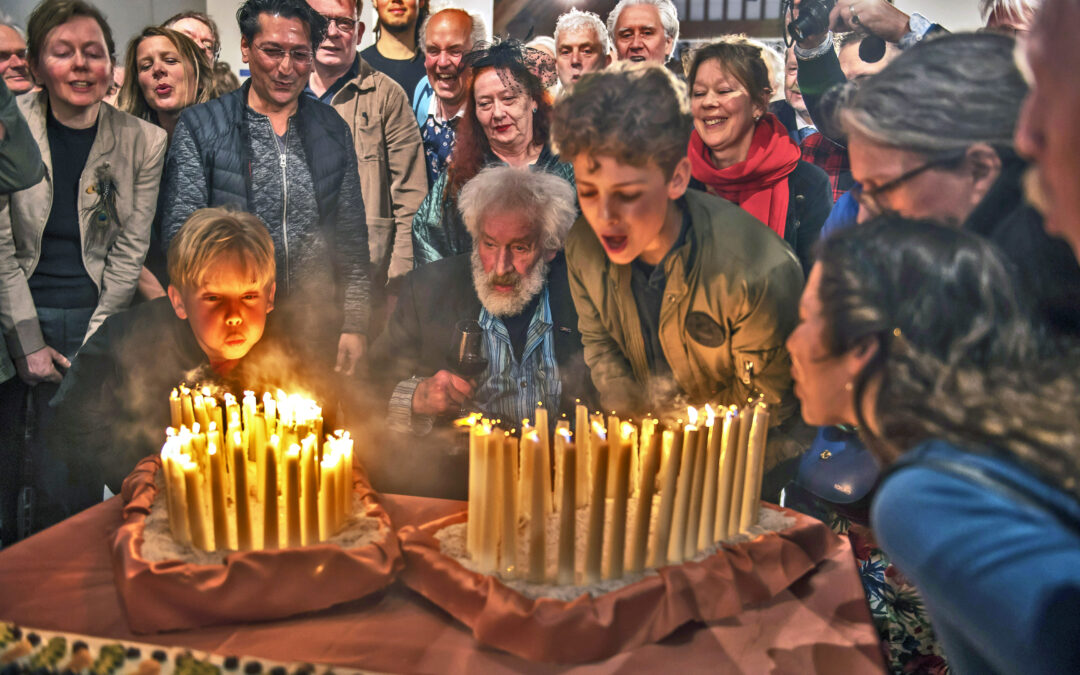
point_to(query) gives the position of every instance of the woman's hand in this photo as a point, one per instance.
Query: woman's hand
(41, 366)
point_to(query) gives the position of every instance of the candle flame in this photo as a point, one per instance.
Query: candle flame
(710, 415)
(533, 436)
(211, 448)
(627, 430)
(565, 433)
(472, 420)
(598, 429)
(692, 415)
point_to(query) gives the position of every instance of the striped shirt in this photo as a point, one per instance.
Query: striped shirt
(509, 389)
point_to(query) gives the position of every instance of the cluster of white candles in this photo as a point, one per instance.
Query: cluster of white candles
(262, 481)
(707, 472)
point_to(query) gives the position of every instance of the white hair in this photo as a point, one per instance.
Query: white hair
(576, 20)
(542, 41)
(669, 16)
(477, 35)
(547, 200)
(1013, 8)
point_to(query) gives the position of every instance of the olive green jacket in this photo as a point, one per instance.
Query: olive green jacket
(390, 157)
(730, 301)
(127, 153)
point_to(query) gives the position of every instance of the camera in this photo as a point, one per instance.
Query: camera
(813, 18)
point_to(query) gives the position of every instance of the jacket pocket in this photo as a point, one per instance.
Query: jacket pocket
(369, 140)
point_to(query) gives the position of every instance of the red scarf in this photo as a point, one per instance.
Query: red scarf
(759, 183)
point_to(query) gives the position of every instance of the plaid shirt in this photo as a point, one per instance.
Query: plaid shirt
(831, 157)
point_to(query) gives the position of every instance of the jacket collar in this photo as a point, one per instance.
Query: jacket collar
(104, 141)
(363, 82)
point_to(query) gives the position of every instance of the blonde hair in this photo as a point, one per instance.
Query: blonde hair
(212, 234)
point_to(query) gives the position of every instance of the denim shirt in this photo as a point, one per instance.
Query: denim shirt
(510, 389)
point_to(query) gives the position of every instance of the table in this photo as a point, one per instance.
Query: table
(61, 579)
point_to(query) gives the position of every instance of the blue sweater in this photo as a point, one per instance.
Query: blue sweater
(999, 572)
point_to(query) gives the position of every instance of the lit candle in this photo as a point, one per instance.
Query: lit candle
(738, 481)
(597, 504)
(202, 531)
(508, 538)
(218, 493)
(346, 480)
(613, 437)
(175, 490)
(270, 413)
(477, 443)
(567, 454)
(560, 426)
(683, 489)
(693, 520)
(293, 537)
(581, 438)
(531, 449)
(271, 531)
(328, 499)
(755, 464)
(243, 499)
(490, 481)
(545, 457)
(199, 410)
(646, 488)
(525, 476)
(174, 409)
(729, 445)
(187, 414)
(617, 540)
(309, 492)
(712, 469)
(658, 548)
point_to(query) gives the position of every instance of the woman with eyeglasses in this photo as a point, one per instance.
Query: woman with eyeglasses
(71, 246)
(741, 152)
(931, 136)
(167, 72)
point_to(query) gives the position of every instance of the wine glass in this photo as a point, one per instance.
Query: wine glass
(469, 359)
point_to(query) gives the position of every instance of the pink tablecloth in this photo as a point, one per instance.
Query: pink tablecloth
(61, 579)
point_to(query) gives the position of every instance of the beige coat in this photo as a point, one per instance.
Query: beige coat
(391, 162)
(730, 301)
(133, 152)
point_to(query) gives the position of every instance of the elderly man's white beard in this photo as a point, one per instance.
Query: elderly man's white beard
(501, 303)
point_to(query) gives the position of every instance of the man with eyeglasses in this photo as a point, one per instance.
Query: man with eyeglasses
(336, 60)
(290, 160)
(13, 66)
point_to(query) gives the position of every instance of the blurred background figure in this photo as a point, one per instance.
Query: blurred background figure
(507, 120)
(169, 72)
(13, 65)
(397, 50)
(201, 28)
(582, 45)
(71, 249)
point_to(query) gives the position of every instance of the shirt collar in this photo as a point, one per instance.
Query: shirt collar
(433, 111)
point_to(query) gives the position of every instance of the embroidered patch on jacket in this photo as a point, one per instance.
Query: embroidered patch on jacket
(705, 330)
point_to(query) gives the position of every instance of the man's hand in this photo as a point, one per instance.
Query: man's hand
(876, 17)
(350, 349)
(443, 392)
(41, 366)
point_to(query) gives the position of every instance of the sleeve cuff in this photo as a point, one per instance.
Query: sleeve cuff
(399, 413)
(816, 52)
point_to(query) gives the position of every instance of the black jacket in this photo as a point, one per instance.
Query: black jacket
(222, 153)
(419, 339)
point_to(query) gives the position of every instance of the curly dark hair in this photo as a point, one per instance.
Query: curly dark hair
(956, 352)
(248, 17)
(471, 147)
(634, 113)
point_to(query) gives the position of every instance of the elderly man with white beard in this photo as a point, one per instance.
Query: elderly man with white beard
(514, 287)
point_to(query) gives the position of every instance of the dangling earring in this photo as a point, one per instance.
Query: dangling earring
(534, 108)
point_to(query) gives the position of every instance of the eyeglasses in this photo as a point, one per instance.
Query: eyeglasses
(871, 199)
(6, 55)
(342, 23)
(277, 55)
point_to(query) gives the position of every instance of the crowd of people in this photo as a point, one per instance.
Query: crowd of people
(882, 244)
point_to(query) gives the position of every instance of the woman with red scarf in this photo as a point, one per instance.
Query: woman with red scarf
(741, 152)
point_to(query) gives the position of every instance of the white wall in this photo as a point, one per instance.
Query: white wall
(956, 15)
